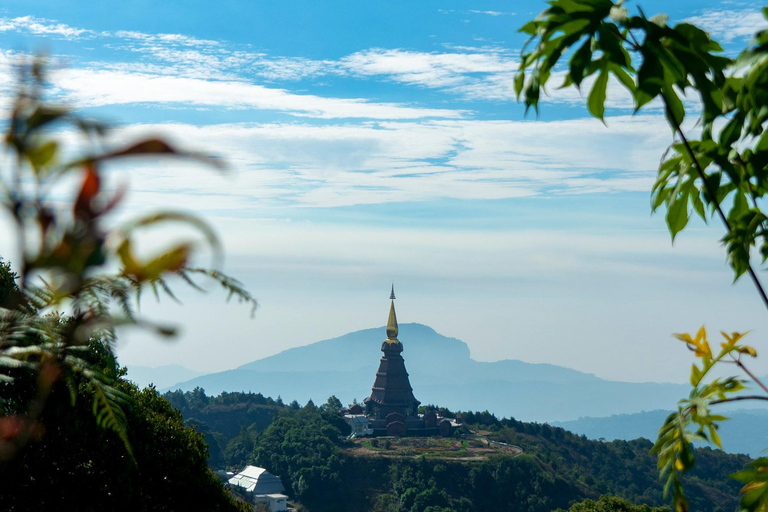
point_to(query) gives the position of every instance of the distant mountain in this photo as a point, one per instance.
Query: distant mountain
(160, 376)
(441, 372)
(745, 432)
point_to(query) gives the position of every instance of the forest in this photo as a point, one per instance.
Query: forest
(305, 447)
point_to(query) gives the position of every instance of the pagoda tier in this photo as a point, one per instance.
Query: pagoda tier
(391, 392)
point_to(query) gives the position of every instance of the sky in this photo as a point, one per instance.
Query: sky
(371, 143)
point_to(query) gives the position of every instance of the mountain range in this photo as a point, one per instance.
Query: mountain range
(744, 432)
(441, 372)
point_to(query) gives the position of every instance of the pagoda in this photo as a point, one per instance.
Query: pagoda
(391, 405)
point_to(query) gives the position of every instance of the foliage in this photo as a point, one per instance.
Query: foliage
(557, 469)
(724, 166)
(229, 421)
(76, 465)
(65, 296)
(611, 504)
(673, 445)
(301, 447)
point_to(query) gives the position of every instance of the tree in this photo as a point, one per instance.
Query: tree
(611, 504)
(65, 294)
(76, 465)
(721, 173)
(333, 404)
(58, 320)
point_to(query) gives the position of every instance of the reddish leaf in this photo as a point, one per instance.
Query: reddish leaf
(89, 189)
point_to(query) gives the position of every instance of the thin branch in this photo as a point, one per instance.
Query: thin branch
(737, 398)
(751, 375)
(712, 196)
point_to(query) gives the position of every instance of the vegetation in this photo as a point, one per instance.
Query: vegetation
(611, 504)
(718, 168)
(64, 296)
(57, 330)
(229, 421)
(75, 465)
(304, 446)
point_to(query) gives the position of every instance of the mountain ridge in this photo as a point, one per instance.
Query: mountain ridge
(442, 372)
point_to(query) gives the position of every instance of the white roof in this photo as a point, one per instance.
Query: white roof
(257, 481)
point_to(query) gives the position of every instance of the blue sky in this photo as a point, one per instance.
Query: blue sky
(374, 142)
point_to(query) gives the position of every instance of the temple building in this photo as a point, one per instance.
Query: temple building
(392, 409)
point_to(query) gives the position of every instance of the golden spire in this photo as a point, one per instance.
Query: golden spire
(392, 322)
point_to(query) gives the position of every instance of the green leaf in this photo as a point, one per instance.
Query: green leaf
(675, 111)
(41, 156)
(677, 215)
(695, 375)
(623, 77)
(650, 78)
(731, 132)
(109, 415)
(579, 61)
(529, 28)
(519, 82)
(596, 100)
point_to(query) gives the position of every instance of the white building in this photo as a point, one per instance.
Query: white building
(359, 424)
(263, 486)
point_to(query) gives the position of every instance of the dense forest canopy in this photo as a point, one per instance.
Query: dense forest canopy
(306, 447)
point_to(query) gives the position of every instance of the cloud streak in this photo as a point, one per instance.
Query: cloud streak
(44, 27)
(335, 165)
(98, 88)
(728, 25)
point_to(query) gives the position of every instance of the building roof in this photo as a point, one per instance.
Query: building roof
(257, 481)
(356, 419)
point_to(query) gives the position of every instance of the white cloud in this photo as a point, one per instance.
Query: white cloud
(177, 39)
(427, 69)
(42, 26)
(94, 88)
(728, 25)
(492, 13)
(347, 164)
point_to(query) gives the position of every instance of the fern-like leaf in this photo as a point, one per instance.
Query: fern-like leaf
(108, 411)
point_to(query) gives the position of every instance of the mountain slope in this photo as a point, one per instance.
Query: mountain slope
(744, 433)
(160, 376)
(441, 372)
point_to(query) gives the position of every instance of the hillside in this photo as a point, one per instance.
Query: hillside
(538, 469)
(441, 371)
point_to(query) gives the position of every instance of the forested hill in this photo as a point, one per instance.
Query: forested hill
(441, 371)
(557, 468)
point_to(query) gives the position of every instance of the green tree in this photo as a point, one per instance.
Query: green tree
(75, 465)
(58, 318)
(332, 405)
(611, 504)
(65, 295)
(301, 447)
(709, 171)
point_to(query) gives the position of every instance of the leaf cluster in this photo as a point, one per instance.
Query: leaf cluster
(674, 443)
(659, 65)
(65, 295)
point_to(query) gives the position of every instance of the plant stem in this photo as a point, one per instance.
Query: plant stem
(712, 197)
(737, 398)
(751, 375)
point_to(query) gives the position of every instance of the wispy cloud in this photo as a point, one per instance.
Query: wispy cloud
(95, 88)
(493, 13)
(347, 164)
(426, 69)
(42, 26)
(728, 25)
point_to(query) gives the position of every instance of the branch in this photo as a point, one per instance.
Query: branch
(751, 375)
(713, 197)
(737, 398)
